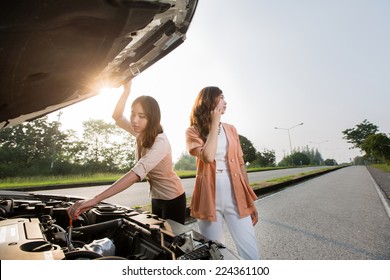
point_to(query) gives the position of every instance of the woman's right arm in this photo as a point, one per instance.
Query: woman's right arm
(207, 153)
(117, 115)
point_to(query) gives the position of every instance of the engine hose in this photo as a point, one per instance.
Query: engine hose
(100, 226)
(111, 258)
(82, 254)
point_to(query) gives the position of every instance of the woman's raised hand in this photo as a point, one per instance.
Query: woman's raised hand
(126, 87)
(216, 115)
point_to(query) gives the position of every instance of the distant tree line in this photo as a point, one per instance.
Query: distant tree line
(252, 157)
(364, 136)
(306, 156)
(265, 158)
(39, 147)
(375, 145)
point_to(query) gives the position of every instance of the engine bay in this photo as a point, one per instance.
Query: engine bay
(37, 227)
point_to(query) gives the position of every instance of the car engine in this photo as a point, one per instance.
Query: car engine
(37, 227)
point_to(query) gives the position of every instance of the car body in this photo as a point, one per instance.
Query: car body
(37, 227)
(54, 54)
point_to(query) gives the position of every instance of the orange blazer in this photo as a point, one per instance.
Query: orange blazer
(203, 198)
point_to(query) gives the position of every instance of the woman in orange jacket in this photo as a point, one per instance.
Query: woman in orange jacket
(222, 190)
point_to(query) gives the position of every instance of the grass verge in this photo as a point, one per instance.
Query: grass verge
(284, 179)
(383, 167)
(41, 181)
(108, 178)
(37, 181)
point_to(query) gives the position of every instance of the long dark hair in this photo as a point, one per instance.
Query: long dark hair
(153, 115)
(206, 101)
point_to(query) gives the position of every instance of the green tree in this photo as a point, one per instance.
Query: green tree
(300, 158)
(265, 158)
(330, 162)
(107, 147)
(378, 146)
(31, 148)
(186, 162)
(248, 149)
(313, 154)
(357, 135)
(125, 146)
(297, 158)
(311, 157)
(74, 152)
(358, 160)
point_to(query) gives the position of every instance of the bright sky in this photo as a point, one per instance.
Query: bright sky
(279, 63)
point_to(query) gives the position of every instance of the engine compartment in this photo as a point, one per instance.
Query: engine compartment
(37, 227)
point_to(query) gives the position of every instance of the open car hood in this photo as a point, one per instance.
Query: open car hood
(57, 53)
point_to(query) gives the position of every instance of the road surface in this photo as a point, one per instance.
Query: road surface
(336, 216)
(138, 194)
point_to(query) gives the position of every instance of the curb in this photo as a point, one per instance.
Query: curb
(275, 188)
(259, 191)
(279, 186)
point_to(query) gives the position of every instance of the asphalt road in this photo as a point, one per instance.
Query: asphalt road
(138, 194)
(336, 216)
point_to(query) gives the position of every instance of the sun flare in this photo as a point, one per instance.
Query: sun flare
(110, 90)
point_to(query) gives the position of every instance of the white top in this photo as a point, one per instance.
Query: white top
(220, 155)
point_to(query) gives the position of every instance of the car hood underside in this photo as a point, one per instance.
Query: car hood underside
(57, 53)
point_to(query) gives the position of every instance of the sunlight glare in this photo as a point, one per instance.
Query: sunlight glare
(111, 90)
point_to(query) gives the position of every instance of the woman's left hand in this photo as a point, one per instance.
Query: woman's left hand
(254, 217)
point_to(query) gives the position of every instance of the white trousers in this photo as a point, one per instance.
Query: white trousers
(241, 229)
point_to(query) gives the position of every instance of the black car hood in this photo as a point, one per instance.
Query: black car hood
(57, 53)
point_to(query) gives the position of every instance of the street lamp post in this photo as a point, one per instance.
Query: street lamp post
(288, 131)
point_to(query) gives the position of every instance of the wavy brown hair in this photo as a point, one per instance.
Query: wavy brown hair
(206, 101)
(153, 115)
